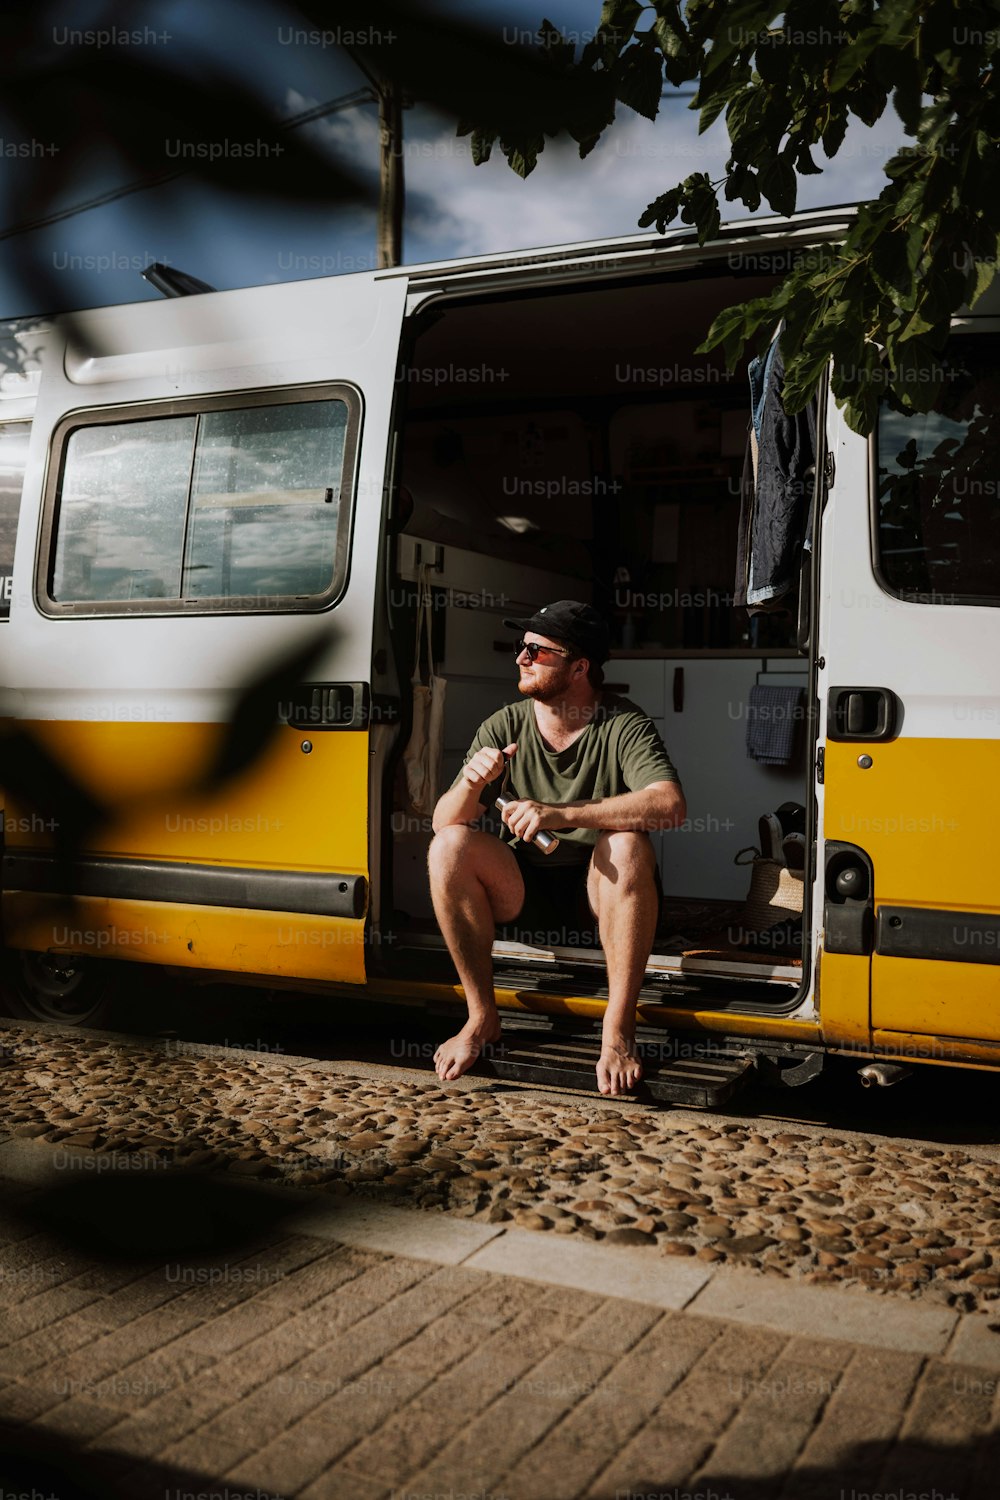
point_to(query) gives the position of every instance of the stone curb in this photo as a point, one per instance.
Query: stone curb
(610, 1271)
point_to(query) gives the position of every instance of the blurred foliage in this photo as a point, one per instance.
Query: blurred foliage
(73, 107)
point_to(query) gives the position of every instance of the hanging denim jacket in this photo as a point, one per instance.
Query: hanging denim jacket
(775, 488)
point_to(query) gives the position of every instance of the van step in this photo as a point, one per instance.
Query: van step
(704, 1076)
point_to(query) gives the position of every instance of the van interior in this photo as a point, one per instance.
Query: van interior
(568, 442)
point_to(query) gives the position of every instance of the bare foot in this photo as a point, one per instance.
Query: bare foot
(618, 1067)
(457, 1055)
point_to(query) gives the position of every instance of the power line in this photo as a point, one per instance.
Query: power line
(346, 101)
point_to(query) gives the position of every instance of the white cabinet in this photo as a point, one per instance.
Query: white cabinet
(642, 681)
(726, 791)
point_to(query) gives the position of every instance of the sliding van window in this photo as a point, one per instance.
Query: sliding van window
(227, 506)
(937, 516)
(13, 459)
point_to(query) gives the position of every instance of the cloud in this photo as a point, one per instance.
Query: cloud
(455, 209)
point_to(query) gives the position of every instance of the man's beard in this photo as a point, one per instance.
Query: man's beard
(542, 690)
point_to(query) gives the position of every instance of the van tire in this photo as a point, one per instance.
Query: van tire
(56, 987)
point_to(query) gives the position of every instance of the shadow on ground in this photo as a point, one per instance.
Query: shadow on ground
(933, 1105)
(50, 1468)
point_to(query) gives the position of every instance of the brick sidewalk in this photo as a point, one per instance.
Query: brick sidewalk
(283, 1362)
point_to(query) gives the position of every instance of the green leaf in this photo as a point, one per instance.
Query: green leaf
(778, 185)
(911, 200)
(804, 163)
(738, 25)
(898, 18)
(848, 379)
(853, 58)
(614, 31)
(918, 375)
(670, 32)
(907, 107)
(662, 210)
(743, 184)
(943, 185)
(619, 16)
(522, 156)
(712, 105)
(802, 375)
(938, 293)
(915, 326)
(482, 145)
(905, 162)
(700, 206)
(744, 121)
(867, 99)
(773, 60)
(558, 51)
(986, 270)
(861, 410)
(729, 328)
(833, 135)
(894, 258)
(638, 78)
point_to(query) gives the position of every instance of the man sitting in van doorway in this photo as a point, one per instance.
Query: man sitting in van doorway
(599, 777)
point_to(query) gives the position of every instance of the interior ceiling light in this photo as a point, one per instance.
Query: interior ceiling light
(519, 524)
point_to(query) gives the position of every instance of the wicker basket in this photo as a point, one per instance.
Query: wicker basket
(775, 893)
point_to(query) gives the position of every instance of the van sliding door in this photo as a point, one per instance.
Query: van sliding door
(209, 524)
(911, 636)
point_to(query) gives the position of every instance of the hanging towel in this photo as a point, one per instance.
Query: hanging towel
(772, 716)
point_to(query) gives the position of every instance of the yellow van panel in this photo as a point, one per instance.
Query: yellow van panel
(950, 1052)
(927, 813)
(191, 937)
(948, 999)
(287, 811)
(843, 998)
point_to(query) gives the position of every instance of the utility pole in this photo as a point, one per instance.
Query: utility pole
(389, 240)
(389, 231)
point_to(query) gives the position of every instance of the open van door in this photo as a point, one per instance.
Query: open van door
(202, 504)
(911, 636)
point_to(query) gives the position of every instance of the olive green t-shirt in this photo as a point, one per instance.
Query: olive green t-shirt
(619, 751)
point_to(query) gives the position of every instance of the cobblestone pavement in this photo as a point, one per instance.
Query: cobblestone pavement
(897, 1219)
(170, 1334)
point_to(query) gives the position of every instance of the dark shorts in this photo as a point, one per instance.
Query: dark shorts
(556, 912)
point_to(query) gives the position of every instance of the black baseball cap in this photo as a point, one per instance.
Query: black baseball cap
(577, 624)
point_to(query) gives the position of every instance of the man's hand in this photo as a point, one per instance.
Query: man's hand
(526, 818)
(485, 766)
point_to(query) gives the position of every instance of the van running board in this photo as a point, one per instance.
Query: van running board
(705, 1076)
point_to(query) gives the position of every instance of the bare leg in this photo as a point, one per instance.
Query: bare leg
(475, 883)
(622, 893)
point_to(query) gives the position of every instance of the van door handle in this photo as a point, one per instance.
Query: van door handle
(316, 706)
(863, 713)
(678, 690)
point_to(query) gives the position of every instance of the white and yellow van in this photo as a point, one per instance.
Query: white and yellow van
(203, 492)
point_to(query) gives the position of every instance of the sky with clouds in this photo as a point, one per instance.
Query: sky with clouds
(452, 208)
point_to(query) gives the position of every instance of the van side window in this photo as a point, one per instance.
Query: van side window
(233, 504)
(13, 459)
(938, 499)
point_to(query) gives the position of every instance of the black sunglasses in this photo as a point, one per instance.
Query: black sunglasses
(533, 648)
